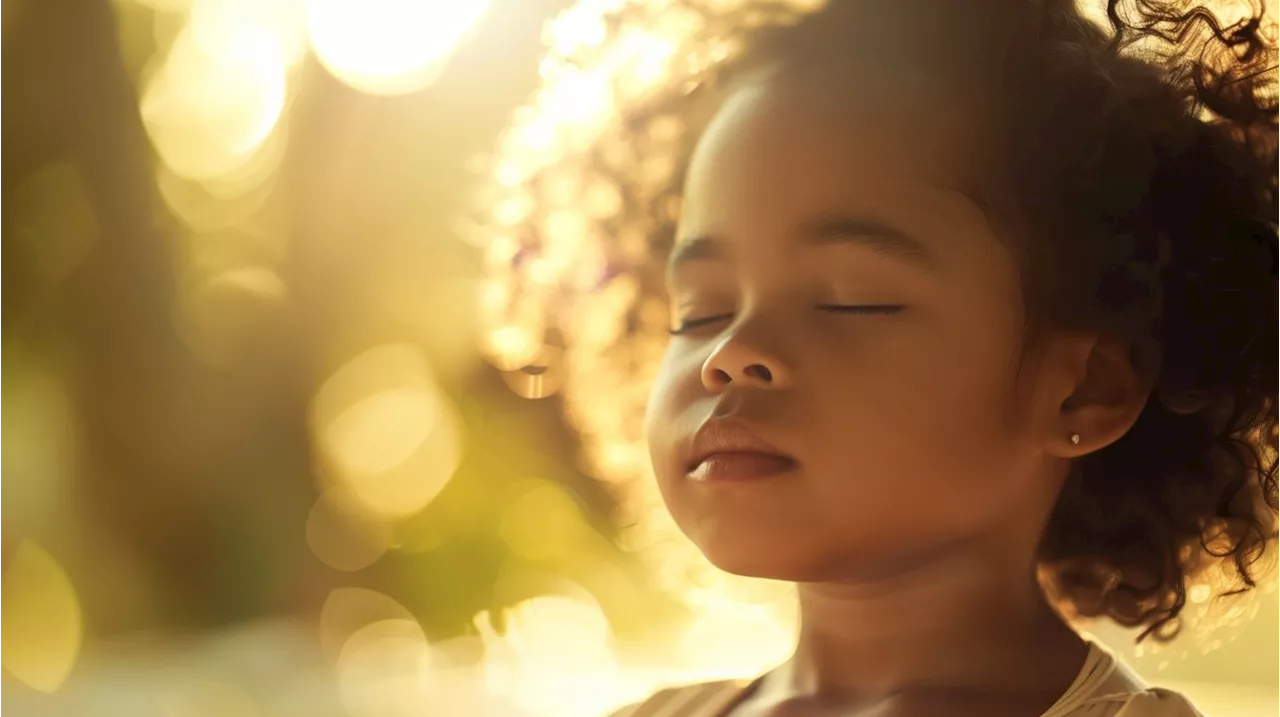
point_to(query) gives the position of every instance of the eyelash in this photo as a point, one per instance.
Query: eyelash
(856, 309)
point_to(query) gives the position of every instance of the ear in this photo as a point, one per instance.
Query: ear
(1098, 393)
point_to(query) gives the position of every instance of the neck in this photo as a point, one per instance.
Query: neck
(968, 619)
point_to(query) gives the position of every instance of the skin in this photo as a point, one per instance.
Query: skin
(931, 439)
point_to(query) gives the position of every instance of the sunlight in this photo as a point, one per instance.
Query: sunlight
(212, 21)
(389, 47)
(731, 640)
(555, 657)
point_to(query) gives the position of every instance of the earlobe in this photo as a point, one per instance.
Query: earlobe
(1108, 398)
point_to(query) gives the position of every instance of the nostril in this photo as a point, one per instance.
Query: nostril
(721, 377)
(758, 371)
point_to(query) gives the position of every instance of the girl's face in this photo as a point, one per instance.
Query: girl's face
(849, 337)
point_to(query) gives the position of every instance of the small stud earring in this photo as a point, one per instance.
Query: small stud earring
(1075, 439)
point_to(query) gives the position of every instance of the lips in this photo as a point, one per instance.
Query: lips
(726, 450)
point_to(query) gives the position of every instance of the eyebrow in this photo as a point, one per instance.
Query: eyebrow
(877, 236)
(869, 233)
(693, 249)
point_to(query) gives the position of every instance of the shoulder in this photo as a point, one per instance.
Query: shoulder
(705, 699)
(1109, 688)
(1157, 702)
(1144, 700)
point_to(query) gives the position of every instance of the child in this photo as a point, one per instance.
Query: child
(975, 330)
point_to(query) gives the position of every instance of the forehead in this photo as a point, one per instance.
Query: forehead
(781, 140)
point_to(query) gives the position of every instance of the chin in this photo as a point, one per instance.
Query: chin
(790, 563)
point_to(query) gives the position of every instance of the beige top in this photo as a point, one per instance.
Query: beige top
(1105, 687)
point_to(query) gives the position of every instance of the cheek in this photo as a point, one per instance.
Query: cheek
(656, 412)
(921, 431)
(958, 397)
(670, 416)
(670, 398)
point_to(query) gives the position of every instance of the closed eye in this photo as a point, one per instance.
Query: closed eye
(858, 309)
(873, 309)
(688, 325)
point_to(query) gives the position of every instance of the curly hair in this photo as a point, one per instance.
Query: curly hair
(1136, 173)
(1152, 182)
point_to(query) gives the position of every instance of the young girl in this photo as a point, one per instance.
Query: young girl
(974, 330)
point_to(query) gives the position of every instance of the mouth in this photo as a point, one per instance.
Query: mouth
(728, 451)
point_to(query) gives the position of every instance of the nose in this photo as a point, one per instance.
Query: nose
(741, 359)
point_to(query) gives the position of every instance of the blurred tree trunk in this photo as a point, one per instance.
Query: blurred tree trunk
(172, 453)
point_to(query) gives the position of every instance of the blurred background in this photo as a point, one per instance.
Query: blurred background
(284, 431)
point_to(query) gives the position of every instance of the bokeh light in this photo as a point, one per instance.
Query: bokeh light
(387, 434)
(347, 610)
(543, 523)
(343, 537)
(42, 619)
(381, 667)
(39, 441)
(216, 99)
(224, 315)
(389, 47)
(203, 209)
(513, 346)
(215, 22)
(442, 314)
(555, 657)
(541, 378)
